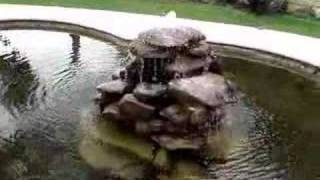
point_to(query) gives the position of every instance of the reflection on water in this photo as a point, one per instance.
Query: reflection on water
(44, 85)
(17, 80)
(48, 79)
(256, 152)
(294, 102)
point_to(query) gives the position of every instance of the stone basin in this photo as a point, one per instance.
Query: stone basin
(45, 102)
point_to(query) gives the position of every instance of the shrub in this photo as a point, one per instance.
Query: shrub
(267, 6)
(256, 6)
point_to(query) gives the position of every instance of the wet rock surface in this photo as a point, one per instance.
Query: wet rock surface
(171, 37)
(177, 114)
(187, 66)
(175, 143)
(171, 93)
(199, 115)
(156, 125)
(112, 112)
(208, 89)
(131, 107)
(119, 74)
(141, 49)
(202, 50)
(114, 87)
(147, 91)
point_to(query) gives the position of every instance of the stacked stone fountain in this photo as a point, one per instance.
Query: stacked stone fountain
(171, 91)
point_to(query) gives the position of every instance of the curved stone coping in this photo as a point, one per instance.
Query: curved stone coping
(222, 50)
(126, 26)
(295, 66)
(63, 27)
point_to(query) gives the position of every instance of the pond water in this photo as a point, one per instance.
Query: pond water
(47, 83)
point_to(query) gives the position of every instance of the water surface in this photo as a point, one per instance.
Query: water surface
(48, 80)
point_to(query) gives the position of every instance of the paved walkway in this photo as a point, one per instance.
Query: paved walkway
(128, 25)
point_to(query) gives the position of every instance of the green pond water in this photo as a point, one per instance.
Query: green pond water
(47, 130)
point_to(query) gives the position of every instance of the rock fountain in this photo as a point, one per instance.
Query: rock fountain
(171, 92)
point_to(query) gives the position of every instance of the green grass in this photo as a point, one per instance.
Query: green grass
(305, 26)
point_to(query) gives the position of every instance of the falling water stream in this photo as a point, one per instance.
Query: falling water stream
(48, 80)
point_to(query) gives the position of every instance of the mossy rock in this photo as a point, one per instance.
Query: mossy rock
(108, 132)
(162, 160)
(218, 146)
(186, 170)
(114, 160)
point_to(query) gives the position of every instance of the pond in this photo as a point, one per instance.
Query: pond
(47, 86)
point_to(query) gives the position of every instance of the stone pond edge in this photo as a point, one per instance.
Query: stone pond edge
(223, 50)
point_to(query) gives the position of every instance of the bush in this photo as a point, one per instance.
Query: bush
(256, 6)
(267, 6)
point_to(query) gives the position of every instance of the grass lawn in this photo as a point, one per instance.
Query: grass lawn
(306, 26)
